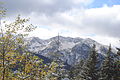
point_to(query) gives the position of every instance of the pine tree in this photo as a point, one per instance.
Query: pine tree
(90, 68)
(74, 73)
(108, 67)
(116, 75)
(117, 65)
(56, 58)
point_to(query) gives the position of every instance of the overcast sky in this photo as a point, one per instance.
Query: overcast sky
(96, 19)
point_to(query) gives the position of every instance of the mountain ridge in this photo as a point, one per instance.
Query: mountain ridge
(71, 49)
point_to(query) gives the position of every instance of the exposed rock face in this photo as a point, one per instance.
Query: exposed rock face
(69, 50)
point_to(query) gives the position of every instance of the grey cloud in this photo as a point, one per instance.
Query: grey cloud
(40, 6)
(103, 25)
(100, 21)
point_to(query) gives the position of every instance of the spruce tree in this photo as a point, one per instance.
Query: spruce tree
(90, 68)
(117, 65)
(74, 73)
(116, 75)
(108, 67)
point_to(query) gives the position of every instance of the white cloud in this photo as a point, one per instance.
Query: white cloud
(103, 22)
(106, 19)
(42, 33)
(70, 19)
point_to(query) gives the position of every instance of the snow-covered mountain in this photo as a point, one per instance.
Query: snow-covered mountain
(68, 49)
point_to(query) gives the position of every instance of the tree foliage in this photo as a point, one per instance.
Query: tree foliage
(109, 68)
(90, 68)
(74, 72)
(16, 62)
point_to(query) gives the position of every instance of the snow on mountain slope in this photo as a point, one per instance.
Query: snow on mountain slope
(35, 44)
(71, 49)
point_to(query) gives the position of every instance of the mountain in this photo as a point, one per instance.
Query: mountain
(67, 49)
